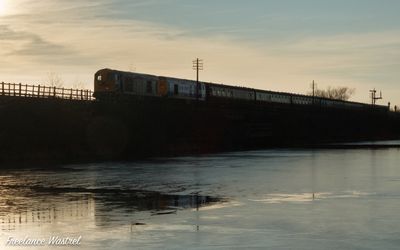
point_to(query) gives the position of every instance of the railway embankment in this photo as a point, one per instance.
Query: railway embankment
(48, 125)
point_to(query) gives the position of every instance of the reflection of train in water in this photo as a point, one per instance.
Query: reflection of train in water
(146, 114)
(109, 81)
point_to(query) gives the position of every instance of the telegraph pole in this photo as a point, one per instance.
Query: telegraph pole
(313, 91)
(313, 88)
(197, 65)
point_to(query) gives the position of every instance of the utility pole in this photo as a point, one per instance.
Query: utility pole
(313, 91)
(313, 88)
(197, 65)
(374, 97)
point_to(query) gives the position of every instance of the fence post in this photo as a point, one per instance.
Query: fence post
(54, 91)
(19, 91)
(71, 94)
(2, 88)
(38, 91)
(62, 93)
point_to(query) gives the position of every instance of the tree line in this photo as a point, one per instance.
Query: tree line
(338, 93)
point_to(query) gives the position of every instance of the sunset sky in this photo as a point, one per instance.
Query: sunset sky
(278, 45)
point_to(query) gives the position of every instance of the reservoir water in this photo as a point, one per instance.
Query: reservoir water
(267, 199)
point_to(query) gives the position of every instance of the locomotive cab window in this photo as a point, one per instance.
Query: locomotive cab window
(99, 78)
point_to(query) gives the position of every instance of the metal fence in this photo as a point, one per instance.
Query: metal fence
(38, 91)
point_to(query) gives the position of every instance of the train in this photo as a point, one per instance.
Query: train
(109, 82)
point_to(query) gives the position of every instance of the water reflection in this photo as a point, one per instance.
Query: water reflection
(309, 197)
(40, 212)
(40, 205)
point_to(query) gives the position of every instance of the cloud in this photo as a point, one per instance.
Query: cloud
(27, 51)
(31, 44)
(364, 57)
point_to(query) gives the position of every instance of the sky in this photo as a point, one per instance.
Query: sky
(280, 45)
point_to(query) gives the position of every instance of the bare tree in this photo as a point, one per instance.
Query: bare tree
(78, 85)
(339, 93)
(54, 80)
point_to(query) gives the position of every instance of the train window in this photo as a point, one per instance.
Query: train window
(176, 89)
(99, 78)
(149, 87)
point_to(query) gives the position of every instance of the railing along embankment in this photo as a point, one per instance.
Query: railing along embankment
(38, 91)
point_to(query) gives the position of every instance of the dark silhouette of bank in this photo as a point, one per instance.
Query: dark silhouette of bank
(137, 115)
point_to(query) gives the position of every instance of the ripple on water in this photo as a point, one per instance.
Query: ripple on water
(308, 197)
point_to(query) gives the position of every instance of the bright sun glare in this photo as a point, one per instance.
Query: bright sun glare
(2, 7)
